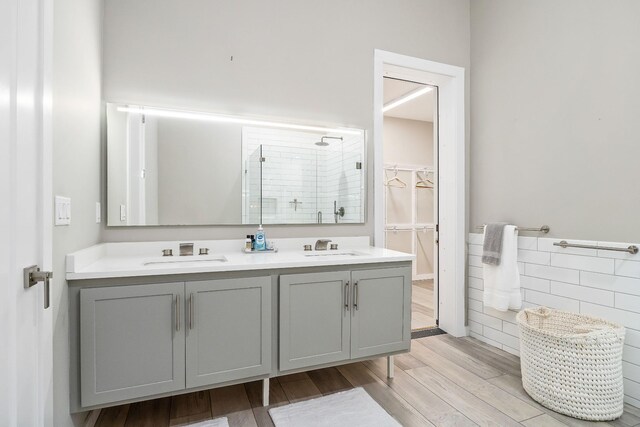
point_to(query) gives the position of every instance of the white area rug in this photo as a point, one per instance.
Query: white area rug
(352, 408)
(218, 422)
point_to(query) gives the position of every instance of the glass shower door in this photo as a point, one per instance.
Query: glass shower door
(350, 188)
(289, 185)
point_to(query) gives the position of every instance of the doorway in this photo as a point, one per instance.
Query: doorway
(449, 267)
(410, 159)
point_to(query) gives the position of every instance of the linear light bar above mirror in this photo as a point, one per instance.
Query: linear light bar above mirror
(175, 167)
(157, 112)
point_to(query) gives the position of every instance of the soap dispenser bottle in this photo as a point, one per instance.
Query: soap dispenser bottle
(261, 243)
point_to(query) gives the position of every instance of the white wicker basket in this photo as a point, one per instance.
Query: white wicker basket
(572, 363)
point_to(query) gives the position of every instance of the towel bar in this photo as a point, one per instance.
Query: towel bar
(633, 249)
(543, 229)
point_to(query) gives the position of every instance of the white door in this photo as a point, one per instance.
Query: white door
(25, 211)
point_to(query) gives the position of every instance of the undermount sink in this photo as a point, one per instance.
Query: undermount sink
(331, 254)
(188, 259)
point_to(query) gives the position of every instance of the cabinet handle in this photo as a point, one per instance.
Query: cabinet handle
(177, 312)
(346, 296)
(191, 310)
(355, 296)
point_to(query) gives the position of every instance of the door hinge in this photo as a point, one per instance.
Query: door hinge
(358, 165)
(263, 159)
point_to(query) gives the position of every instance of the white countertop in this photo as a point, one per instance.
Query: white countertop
(134, 259)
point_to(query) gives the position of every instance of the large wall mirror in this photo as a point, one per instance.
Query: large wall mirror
(168, 167)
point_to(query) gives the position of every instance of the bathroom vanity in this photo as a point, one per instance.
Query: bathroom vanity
(144, 326)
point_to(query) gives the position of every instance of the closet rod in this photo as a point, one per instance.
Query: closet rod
(408, 227)
(409, 168)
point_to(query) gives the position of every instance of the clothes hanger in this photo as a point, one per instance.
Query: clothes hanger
(395, 181)
(423, 182)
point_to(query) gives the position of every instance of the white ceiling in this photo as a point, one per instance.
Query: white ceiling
(421, 108)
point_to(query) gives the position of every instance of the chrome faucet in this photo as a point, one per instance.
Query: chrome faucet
(321, 244)
(186, 249)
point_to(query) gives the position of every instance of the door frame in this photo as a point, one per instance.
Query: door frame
(450, 80)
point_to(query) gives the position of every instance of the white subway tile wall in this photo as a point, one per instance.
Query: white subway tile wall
(289, 175)
(300, 179)
(605, 284)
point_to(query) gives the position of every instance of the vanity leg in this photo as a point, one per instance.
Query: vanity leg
(390, 367)
(265, 392)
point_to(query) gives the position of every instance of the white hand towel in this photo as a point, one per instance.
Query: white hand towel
(502, 282)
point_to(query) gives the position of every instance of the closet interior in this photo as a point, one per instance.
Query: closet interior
(410, 174)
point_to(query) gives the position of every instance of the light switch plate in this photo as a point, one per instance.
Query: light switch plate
(98, 213)
(63, 210)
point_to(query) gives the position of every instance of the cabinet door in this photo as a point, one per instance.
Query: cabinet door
(381, 315)
(314, 319)
(131, 342)
(228, 329)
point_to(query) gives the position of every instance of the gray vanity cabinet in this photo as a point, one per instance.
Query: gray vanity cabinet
(314, 319)
(132, 342)
(228, 327)
(381, 315)
(334, 316)
(138, 341)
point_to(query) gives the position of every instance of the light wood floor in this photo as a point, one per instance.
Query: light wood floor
(444, 381)
(422, 305)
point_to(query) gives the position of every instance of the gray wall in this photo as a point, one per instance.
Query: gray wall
(555, 116)
(306, 60)
(76, 164)
(407, 142)
(199, 172)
